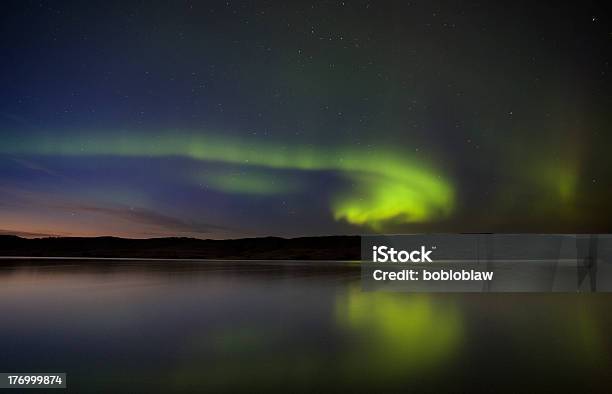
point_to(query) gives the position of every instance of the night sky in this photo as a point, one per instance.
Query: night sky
(238, 119)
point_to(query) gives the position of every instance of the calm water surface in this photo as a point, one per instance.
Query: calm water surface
(151, 326)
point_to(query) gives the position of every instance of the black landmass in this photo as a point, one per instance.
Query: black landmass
(267, 248)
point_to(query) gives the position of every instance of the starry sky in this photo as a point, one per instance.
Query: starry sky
(227, 119)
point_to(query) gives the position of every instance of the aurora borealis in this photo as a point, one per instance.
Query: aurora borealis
(384, 188)
(233, 119)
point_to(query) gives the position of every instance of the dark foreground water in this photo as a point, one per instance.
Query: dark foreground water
(145, 326)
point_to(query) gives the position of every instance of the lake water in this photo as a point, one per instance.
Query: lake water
(152, 326)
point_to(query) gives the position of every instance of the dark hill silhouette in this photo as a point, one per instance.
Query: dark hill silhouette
(268, 248)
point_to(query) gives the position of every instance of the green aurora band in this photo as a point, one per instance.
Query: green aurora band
(386, 187)
(249, 182)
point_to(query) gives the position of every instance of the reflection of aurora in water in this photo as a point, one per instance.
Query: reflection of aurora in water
(404, 333)
(389, 336)
(228, 330)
